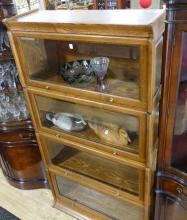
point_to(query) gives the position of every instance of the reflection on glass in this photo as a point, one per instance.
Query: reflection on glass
(100, 202)
(12, 107)
(26, 5)
(179, 148)
(4, 43)
(47, 60)
(12, 102)
(110, 128)
(8, 76)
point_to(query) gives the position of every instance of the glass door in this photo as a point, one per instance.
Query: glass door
(179, 141)
(104, 68)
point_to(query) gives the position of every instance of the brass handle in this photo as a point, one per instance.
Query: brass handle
(117, 193)
(179, 190)
(111, 99)
(57, 135)
(27, 137)
(181, 194)
(47, 87)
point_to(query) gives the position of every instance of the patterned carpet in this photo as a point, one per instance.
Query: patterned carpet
(5, 215)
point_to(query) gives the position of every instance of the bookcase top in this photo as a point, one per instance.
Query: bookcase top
(137, 23)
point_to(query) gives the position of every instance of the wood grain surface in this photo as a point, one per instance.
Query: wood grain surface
(146, 23)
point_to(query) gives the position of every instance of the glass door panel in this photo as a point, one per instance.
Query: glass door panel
(115, 174)
(100, 202)
(114, 129)
(179, 147)
(72, 64)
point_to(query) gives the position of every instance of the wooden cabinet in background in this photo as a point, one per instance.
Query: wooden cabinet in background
(171, 184)
(92, 83)
(20, 156)
(170, 199)
(19, 152)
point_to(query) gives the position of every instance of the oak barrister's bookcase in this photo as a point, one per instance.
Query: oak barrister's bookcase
(93, 173)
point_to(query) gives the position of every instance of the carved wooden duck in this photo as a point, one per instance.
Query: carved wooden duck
(111, 133)
(67, 121)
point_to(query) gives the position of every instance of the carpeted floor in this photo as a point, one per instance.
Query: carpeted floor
(5, 215)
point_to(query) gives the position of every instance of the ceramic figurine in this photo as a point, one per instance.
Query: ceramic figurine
(111, 133)
(67, 121)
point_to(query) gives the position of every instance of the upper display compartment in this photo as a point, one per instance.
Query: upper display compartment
(104, 68)
(111, 57)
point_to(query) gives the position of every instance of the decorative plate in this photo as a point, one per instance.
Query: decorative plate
(79, 71)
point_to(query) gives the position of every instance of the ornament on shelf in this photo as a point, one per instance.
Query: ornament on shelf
(110, 133)
(67, 121)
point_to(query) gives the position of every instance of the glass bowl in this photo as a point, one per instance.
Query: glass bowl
(78, 71)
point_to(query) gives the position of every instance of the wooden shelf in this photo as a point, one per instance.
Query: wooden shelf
(119, 176)
(90, 134)
(116, 87)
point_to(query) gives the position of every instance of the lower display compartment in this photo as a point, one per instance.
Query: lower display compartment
(125, 178)
(100, 204)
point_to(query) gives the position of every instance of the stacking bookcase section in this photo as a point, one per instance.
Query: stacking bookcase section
(118, 131)
(62, 63)
(127, 70)
(92, 83)
(98, 201)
